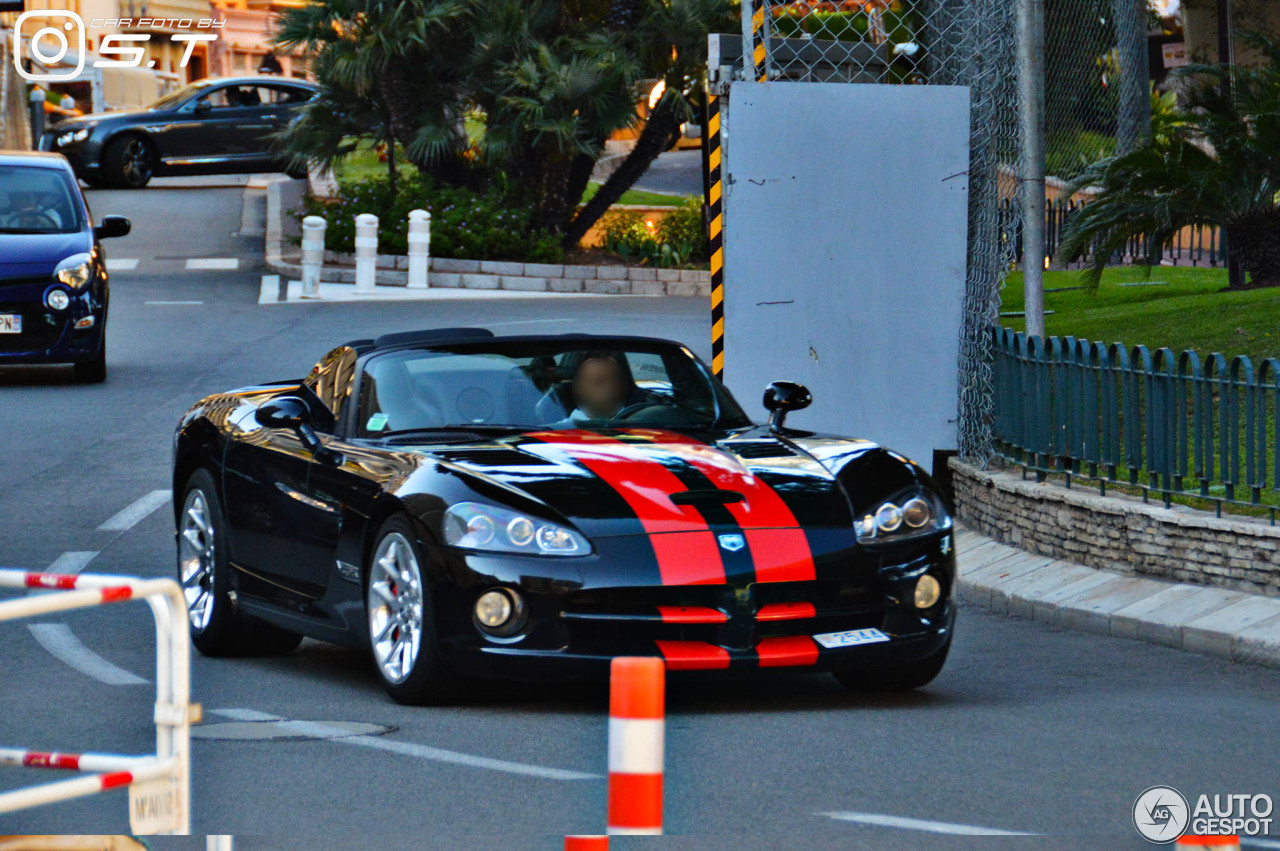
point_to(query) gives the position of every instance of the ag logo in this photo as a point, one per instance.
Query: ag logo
(1161, 814)
(732, 543)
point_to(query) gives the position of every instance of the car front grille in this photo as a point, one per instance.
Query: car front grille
(40, 329)
(734, 616)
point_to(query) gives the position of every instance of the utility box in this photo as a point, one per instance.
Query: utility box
(845, 246)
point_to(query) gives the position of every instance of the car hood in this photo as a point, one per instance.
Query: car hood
(25, 255)
(634, 481)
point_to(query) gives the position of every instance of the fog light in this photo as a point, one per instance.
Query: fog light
(928, 591)
(57, 299)
(493, 609)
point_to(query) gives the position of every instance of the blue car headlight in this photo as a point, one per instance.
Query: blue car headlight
(914, 512)
(75, 271)
(491, 528)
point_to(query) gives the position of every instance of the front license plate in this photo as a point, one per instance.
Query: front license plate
(850, 638)
(10, 323)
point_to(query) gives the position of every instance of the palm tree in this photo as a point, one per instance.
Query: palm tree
(1215, 163)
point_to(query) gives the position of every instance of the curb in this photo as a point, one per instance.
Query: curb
(1231, 625)
(449, 273)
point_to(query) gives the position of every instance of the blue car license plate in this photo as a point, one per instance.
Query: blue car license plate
(10, 323)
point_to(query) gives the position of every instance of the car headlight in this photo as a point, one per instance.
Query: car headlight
(75, 271)
(476, 526)
(73, 136)
(913, 512)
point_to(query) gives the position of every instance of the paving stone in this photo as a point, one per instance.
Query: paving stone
(480, 282)
(522, 282)
(447, 264)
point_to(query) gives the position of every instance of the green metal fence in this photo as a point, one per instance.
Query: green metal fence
(1168, 423)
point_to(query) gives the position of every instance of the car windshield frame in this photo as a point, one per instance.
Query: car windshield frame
(181, 96)
(727, 413)
(74, 203)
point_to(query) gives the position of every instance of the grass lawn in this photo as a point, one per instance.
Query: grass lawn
(1188, 312)
(639, 197)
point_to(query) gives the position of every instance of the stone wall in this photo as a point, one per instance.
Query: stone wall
(503, 275)
(1119, 532)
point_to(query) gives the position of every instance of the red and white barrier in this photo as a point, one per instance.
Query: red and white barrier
(586, 843)
(174, 712)
(636, 730)
(1218, 843)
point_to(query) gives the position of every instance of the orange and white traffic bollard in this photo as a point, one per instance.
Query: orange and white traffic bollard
(586, 843)
(1218, 843)
(636, 731)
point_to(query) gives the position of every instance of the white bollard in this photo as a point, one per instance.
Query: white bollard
(312, 255)
(366, 252)
(419, 248)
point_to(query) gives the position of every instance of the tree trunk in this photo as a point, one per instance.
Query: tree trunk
(659, 134)
(1255, 240)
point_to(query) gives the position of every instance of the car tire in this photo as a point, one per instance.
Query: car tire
(128, 162)
(897, 678)
(93, 371)
(402, 635)
(204, 574)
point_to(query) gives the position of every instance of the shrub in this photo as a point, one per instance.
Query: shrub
(464, 224)
(678, 240)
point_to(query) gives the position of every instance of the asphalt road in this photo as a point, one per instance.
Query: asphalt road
(1028, 729)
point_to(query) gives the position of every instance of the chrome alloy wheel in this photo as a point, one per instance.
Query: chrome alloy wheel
(395, 607)
(136, 164)
(196, 559)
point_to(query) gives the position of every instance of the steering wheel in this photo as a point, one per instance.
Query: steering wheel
(30, 219)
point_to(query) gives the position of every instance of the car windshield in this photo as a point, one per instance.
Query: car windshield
(542, 384)
(37, 200)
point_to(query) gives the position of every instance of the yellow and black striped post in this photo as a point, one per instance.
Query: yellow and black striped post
(759, 50)
(715, 231)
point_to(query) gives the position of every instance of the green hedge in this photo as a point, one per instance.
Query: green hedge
(464, 224)
(679, 239)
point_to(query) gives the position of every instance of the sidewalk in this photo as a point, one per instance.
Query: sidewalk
(1231, 625)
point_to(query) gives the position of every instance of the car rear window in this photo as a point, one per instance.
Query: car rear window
(37, 200)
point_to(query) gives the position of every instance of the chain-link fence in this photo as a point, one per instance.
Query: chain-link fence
(940, 42)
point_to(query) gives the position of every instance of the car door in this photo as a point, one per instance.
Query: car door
(198, 130)
(264, 109)
(265, 474)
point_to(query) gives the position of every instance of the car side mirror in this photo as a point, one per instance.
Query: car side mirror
(202, 106)
(294, 414)
(113, 226)
(783, 397)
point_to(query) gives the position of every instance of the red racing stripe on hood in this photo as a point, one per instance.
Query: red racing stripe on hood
(779, 548)
(692, 558)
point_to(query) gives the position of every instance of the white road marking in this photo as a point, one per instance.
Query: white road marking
(59, 640)
(948, 828)
(137, 512)
(175, 302)
(207, 264)
(122, 264)
(315, 728)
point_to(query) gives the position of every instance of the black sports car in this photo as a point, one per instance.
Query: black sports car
(214, 126)
(529, 507)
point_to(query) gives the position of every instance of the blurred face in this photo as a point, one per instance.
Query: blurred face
(599, 388)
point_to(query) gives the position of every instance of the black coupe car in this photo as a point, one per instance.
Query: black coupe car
(214, 126)
(468, 505)
(53, 274)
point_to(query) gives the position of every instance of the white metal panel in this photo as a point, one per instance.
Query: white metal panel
(846, 212)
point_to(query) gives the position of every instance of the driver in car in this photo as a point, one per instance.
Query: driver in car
(601, 386)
